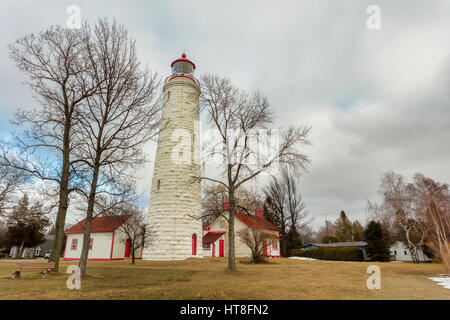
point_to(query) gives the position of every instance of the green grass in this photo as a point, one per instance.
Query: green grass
(208, 279)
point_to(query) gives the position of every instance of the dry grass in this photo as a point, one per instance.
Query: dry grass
(207, 279)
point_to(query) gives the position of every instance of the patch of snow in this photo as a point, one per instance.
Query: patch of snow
(303, 258)
(442, 281)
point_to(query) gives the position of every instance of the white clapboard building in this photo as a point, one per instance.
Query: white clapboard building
(107, 242)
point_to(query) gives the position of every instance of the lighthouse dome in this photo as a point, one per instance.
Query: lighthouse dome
(183, 66)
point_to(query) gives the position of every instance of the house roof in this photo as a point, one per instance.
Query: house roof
(256, 222)
(211, 237)
(100, 224)
(339, 244)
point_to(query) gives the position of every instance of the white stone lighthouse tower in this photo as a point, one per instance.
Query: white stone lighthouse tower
(175, 229)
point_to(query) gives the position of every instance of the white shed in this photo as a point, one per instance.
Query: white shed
(400, 252)
(108, 242)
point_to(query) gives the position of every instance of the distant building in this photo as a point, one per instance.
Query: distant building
(36, 252)
(400, 252)
(107, 240)
(42, 249)
(355, 244)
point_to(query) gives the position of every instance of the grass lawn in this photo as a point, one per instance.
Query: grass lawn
(207, 279)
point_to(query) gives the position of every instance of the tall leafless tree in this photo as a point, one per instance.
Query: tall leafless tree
(118, 119)
(58, 72)
(433, 200)
(399, 210)
(242, 122)
(285, 207)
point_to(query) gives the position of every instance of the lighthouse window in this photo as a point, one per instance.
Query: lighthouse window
(168, 95)
(158, 184)
(183, 67)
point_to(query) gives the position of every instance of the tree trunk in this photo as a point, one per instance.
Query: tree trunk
(63, 199)
(19, 251)
(89, 215)
(231, 249)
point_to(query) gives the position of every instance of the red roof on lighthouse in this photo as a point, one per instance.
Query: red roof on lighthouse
(183, 58)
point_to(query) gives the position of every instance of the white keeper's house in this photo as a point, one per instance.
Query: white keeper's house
(108, 242)
(215, 237)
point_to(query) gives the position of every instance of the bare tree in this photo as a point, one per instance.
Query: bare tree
(59, 76)
(241, 122)
(434, 204)
(215, 196)
(133, 230)
(399, 205)
(255, 240)
(118, 119)
(285, 208)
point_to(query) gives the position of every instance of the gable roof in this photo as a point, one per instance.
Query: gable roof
(256, 222)
(211, 237)
(100, 224)
(339, 244)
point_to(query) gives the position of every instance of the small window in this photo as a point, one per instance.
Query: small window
(91, 243)
(222, 224)
(37, 252)
(406, 252)
(158, 185)
(206, 246)
(395, 252)
(74, 244)
(168, 95)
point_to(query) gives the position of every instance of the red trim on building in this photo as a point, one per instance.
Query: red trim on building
(182, 76)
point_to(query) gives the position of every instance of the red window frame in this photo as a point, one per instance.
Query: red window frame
(74, 244)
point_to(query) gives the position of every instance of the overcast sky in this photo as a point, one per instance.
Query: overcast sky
(376, 99)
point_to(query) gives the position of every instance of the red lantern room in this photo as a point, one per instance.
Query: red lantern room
(182, 67)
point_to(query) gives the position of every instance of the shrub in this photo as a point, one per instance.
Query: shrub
(329, 253)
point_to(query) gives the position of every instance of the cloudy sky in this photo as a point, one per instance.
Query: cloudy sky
(377, 99)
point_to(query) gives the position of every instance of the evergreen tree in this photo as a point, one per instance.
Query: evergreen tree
(26, 225)
(357, 231)
(329, 239)
(377, 242)
(344, 228)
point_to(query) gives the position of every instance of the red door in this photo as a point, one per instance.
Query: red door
(194, 244)
(128, 248)
(221, 248)
(213, 250)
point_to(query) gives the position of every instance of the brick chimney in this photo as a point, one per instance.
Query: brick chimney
(260, 213)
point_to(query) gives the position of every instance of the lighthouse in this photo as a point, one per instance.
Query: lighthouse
(174, 227)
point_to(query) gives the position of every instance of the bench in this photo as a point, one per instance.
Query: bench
(46, 266)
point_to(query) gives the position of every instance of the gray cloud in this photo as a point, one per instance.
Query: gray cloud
(377, 100)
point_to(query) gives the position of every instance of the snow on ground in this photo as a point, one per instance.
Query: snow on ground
(442, 281)
(303, 258)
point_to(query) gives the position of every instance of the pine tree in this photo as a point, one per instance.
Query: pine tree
(357, 231)
(377, 244)
(26, 225)
(344, 228)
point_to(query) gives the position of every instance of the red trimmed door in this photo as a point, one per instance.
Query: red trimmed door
(213, 250)
(194, 244)
(221, 248)
(128, 248)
